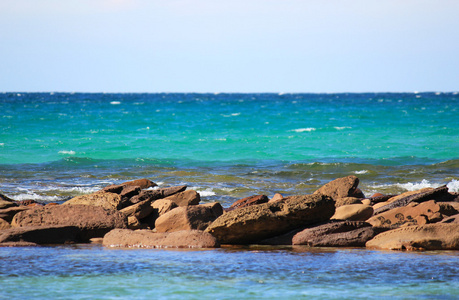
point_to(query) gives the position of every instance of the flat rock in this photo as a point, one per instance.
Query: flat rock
(353, 212)
(101, 199)
(141, 183)
(185, 198)
(41, 234)
(248, 201)
(18, 244)
(148, 239)
(93, 221)
(340, 187)
(187, 218)
(157, 193)
(347, 201)
(439, 236)
(258, 222)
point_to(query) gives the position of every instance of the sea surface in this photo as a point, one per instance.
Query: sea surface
(54, 146)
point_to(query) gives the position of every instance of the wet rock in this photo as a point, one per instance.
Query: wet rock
(187, 218)
(336, 234)
(439, 194)
(248, 201)
(438, 236)
(147, 239)
(185, 198)
(339, 188)
(4, 224)
(7, 214)
(93, 221)
(101, 199)
(157, 194)
(347, 201)
(18, 244)
(41, 234)
(412, 214)
(353, 212)
(258, 222)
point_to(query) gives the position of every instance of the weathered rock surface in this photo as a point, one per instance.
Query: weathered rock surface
(451, 219)
(185, 198)
(7, 214)
(277, 197)
(41, 234)
(340, 187)
(254, 223)
(187, 218)
(101, 199)
(347, 201)
(4, 224)
(139, 210)
(6, 202)
(412, 214)
(248, 201)
(157, 194)
(93, 221)
(439, 194)
(353, 212)
(141, 183)
(148, 239)
(336, 234)
(439, 236)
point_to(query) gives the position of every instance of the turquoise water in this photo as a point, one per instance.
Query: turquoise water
(226, 146)
(92, 272)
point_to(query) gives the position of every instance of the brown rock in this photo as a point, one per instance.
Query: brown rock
(134, 223)
(141, 183)
(277, 197)
(18, 244)
(93, 221)
(139, 210)
(4, 224)
(336, 234)
(7, 214)
(406, 215)
(439, 236)
(258, 222)
(163, 206)
(6, 202)
(41, 235)
(186, 218)
(147, 239)
(353, 212)
(157, 194)
(339, 188)
(451, 219)
(128, 192)
(347, 201)
(100, 198)
(248, 201)
(357, 193)
(185, 198)
(366, 201)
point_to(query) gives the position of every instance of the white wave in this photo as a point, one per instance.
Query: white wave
(36, 197)
(203, 192)
(232, 115)
(2, 144)
(309, 129)
(115, 102)
(453, 186)
(361, 172)
(71, 152)
(341, 128)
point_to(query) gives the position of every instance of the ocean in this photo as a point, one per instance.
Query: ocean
(54, 146)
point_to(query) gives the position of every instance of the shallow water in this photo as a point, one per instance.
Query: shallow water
(92, 271)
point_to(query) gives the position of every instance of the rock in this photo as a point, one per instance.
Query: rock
(347, 201)
(366, 201)
(93, 221)
(336, 234)
(157, 194)
(4, 224)
(186, 218)
(451, 219)
(7, 214)
(216, 208)
(410, 214)
(339, 188)
(258, 222)
(147, 239)
(29, 202)
(449, 208)
(18, 244)
(185, 198)
(139, 210)
(378, 198)
(439, 194)
(439, 236)
(101, 199)
(6, 202)
(134, 223)
(127, 193)
(248, 201)
(160, 207)
(353, 212)
(41, 234)
(277, 197)
(357, 193)
(141, 183)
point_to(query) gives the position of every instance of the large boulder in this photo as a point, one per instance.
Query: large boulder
(148, 239)
(185, 198)
(353, 212)
(254, 223)
(340, 187)
(336, 234)
(101, 199)
(187, 218)
(93, 221)
(439, 236)
(248, 201)
(41, 234)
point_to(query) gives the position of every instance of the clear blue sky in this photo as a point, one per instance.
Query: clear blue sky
(229, 46)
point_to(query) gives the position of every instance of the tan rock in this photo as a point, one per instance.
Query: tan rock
(353, 212)
(185, 198)
(147, 239)
(142, 183)
(409, 193)
(276, 198)
(6, 202)
(339, 188)
(248, 201)
(258, 222)
(7, 214)
(366, 201)
(102, 199)
(4, 224)
(347, 201)
(438, 236)
(162, 206)
(139, 210)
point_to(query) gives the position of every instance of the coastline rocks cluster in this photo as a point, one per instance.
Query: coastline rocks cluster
(139, 214)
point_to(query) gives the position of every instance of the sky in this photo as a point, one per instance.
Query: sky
(289, 46)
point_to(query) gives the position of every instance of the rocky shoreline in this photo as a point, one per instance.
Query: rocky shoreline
(138, 214)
